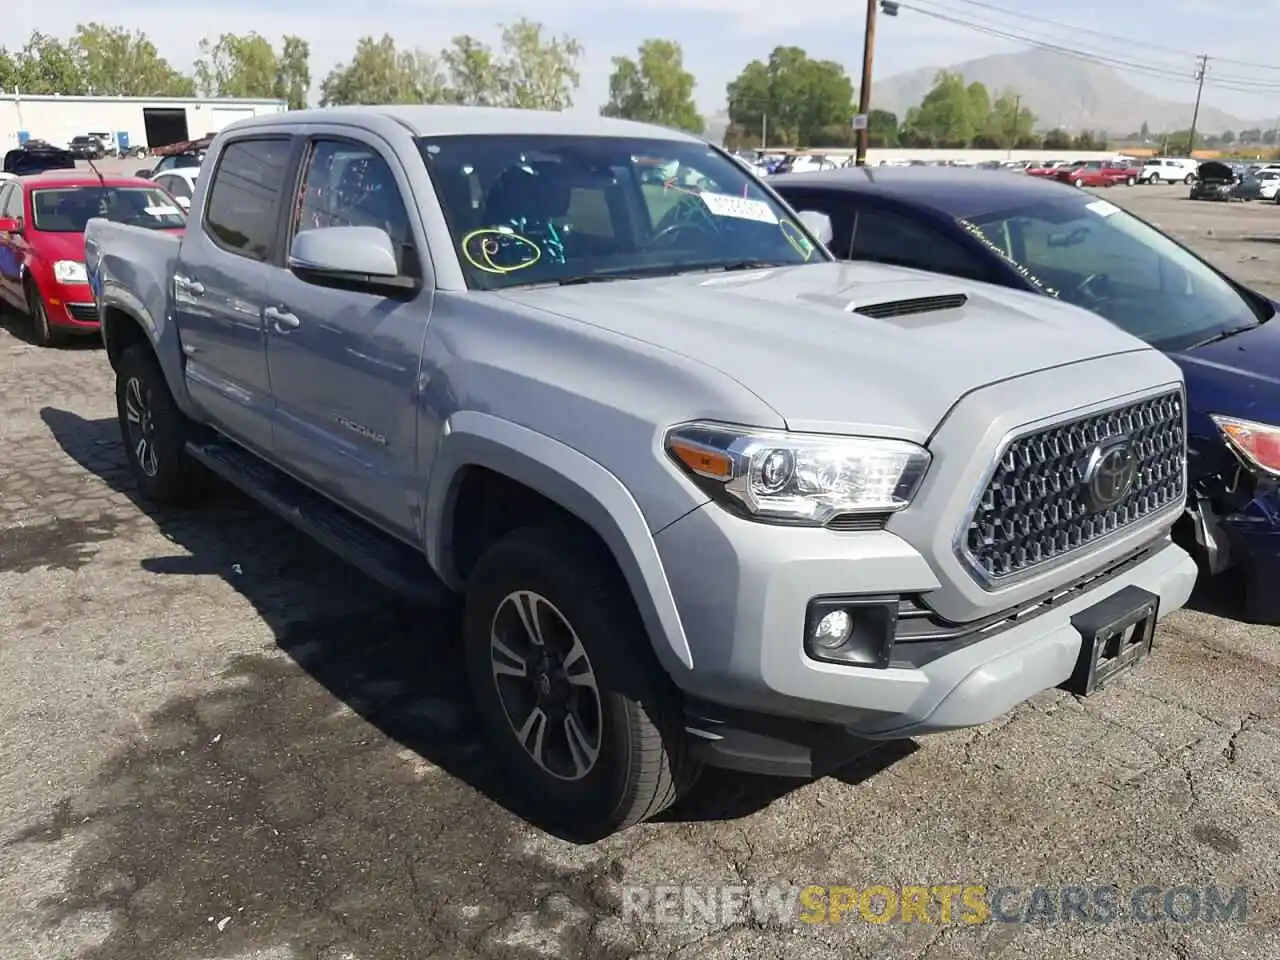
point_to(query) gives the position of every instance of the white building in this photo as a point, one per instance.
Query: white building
(150, 122)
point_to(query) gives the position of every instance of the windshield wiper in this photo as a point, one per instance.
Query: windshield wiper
(1222, 335)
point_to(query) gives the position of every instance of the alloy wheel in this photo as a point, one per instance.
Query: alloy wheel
(141, 425)
(546, 685)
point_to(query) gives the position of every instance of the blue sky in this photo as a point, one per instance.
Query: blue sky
(720, 36)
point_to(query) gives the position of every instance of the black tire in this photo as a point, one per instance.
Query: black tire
(43, 332)
(1130, 181)
(166, 474)
(1154, 180)
(1189, 179)
(1078, 183)
(641, 764)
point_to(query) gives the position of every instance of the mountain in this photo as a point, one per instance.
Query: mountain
(1062, 91)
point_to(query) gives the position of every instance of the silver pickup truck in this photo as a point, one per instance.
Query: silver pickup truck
(709, 496)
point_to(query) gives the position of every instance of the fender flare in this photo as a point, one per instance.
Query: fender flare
(576, 483)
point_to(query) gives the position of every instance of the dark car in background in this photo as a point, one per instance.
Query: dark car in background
(1032, 234)
(1216, 180)
(37, 157)
(86, 148)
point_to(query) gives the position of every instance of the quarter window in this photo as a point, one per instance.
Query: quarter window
(241, 213)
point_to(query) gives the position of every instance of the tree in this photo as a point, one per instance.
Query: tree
(1228, 137)
(1088, 140)
(1057, 139)
(795, 97)
(115, 62)
(654, 88)
(882, 129)
(474, 75)
(1007, 123)
(381, 73)
(237, 65)
(293, 72)
(530, 71)
(948, 112)
(46, 65)
(1145, 132)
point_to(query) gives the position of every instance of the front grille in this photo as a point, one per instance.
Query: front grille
(1037, 506)
(903, 308)
(85, 312)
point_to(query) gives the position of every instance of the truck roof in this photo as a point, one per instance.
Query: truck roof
(447, 120)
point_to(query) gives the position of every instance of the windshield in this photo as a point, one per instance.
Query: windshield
(1091, 253)
(547, 209)
(69, 209)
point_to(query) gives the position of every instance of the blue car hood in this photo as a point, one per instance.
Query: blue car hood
(1239, 376)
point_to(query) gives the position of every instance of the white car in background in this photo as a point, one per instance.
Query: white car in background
(1168, 170)
(180, 183)
(1268, 183)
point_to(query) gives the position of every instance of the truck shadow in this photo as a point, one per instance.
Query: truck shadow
(396, 666)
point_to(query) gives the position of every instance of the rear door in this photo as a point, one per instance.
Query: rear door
(220, 286)
(344, 365)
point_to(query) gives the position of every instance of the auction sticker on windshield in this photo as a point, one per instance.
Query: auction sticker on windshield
(740, 208)
(1102, 208)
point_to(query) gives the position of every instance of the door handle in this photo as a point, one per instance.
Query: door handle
(281, 320)
(193, 287)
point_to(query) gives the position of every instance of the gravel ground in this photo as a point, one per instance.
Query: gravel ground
(220, 743)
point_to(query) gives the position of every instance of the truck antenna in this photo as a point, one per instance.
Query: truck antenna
(96, 172)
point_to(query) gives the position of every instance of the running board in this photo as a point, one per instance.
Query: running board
(392, 563)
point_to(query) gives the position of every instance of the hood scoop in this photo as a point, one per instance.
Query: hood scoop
(890, 309)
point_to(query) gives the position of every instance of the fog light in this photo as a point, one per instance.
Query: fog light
(833, 629)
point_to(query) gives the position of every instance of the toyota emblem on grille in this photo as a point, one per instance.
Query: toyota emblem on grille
(1109, 473)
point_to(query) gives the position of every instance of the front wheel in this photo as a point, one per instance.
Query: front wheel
(1079, 182)
(154, 431)
(586, 724)
(1189, 179)
(1154, 180)
(44, 333)
(1130, 181)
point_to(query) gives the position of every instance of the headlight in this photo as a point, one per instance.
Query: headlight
(69, 271)
(796, 477)
(1257, 444)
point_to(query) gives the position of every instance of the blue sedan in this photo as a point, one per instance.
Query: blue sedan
(1049, 238)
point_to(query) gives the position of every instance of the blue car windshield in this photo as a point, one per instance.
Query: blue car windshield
(530, 209)
(1089, 252)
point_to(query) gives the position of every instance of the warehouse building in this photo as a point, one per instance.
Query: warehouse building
(129, 122)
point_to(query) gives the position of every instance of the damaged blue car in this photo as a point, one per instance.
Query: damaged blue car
(1056, 240)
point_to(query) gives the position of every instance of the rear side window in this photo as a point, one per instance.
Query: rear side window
(241, 213)
(890, 237)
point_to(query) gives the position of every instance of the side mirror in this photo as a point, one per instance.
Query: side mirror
(819, 224)
(349, 258)
(144, 173)
(10, 225)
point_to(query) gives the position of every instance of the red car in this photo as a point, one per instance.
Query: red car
(1086, 173)
(42, 220)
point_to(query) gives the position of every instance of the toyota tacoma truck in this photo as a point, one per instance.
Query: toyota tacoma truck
(708, 495)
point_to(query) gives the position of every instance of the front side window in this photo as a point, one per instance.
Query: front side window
(1091, 253)
(240, 215)
(69, 209)
(546, 209)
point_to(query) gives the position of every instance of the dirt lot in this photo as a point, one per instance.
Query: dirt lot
(219, 743)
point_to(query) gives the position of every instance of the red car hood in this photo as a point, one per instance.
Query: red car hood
(65, 246)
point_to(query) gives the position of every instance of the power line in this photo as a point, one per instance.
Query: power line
(1159, 71)
(1126, 41)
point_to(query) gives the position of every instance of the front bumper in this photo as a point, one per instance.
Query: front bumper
(743, 589)
(71, 307)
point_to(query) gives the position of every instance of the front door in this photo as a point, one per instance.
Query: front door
(345, 365)
(220, 286)
(10, 257)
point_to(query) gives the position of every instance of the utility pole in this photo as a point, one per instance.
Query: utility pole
(1013, 134)
(764, 130)
(864, 92)
(1201, 69)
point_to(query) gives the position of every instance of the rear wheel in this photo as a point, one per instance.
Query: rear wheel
(44, 333)
(154, 431)
(1189, 179)
(587, 724)
(1130, 181)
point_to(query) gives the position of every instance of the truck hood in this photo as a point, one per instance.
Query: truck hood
(794, 337)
